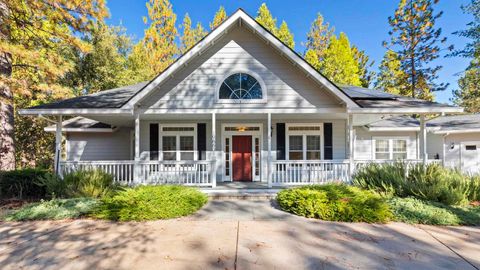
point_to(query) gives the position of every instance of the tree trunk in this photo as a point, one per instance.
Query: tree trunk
(7, 143)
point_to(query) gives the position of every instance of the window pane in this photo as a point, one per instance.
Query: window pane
(233, 81)
(186, 143)
(381, 146)
(382, 155)
(225, 92)
(170, 155)
(313, 143)
(399, 146)
(313, 155)
(256, 91)
(295, 155)
(169, 143)
(295, 143)
(240, 86)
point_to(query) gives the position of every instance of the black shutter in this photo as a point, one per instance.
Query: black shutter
(153, 141)
(202, 141)
(280, 141)
(327, 141)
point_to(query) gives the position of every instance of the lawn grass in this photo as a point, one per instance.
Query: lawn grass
(150, 203)
(54, 209)
(415, 211)
(335, 203)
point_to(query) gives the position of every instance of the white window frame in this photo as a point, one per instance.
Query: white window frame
(241, 101)
(177, 135)
(304, 134)
(390, 140)
(229, 134)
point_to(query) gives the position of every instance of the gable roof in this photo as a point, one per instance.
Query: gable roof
(82, 124)
(242, 18)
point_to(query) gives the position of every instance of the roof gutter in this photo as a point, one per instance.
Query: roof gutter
(414, 110)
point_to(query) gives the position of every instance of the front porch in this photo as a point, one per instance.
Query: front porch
(296, 149)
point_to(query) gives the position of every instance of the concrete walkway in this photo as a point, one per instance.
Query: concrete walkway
(236, 235)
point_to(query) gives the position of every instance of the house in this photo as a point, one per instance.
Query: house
(238, 106)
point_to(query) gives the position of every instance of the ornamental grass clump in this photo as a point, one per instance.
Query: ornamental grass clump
(335, 203)
(430, 182)
(151, 203)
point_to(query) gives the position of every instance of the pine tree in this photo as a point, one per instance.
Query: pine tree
(105, 66)
(159, 39)
(416, 40)
(338, 63)
(468, 94)
(472, 32)
(364, 66)
(391, 77)
(285, 35)
(265, 18)
(219, 17)
(33, 36)
(319, 36)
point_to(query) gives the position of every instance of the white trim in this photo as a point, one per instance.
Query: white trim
(229, 134)
(93, 130)
(256, 110)
(241, 101)
(177, 135)
(393, 128)
(304, 134)
(75, 111)
(231, 21)
(390, 145)
(457, 131)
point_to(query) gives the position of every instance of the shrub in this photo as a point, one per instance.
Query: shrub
(335, 203)
(54, 209)
(151, 203)
(411, 210)
(82, 183)
(431, 182)
(21, 183)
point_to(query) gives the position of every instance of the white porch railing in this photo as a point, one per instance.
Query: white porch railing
(302, 172)
(128, 172)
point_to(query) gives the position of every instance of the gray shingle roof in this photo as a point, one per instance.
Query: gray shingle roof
(113, 98)
(397, 121)
(371, 98)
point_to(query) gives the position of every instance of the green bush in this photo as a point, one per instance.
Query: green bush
(151, 203)
(411, 210)
(335, 203)
(21, 183)
(431, 182)
(54, 209)
(82, 183)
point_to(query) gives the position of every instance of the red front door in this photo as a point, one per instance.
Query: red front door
(242, 158)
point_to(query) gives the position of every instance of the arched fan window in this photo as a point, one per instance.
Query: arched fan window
(240, 86)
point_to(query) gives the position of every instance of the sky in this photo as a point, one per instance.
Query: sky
(364, 21)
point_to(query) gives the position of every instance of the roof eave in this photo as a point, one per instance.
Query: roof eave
(73, 111)
(410, 110)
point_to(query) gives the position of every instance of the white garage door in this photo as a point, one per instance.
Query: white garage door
(470, 157)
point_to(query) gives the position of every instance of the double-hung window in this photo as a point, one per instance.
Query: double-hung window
(304, 141)
(178, 142)
(390, 148)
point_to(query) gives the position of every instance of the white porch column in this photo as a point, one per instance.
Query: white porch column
(351, 146)
(423, 139)
(269, 159)
(137, 168)
(213, 168)
(58, 145)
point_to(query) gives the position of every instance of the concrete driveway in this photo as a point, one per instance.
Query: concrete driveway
(236, 235)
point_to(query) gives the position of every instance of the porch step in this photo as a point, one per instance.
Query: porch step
(242, 194)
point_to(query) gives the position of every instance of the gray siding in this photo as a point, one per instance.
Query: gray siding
(99, 146)
(364, 142)
(195, 85)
